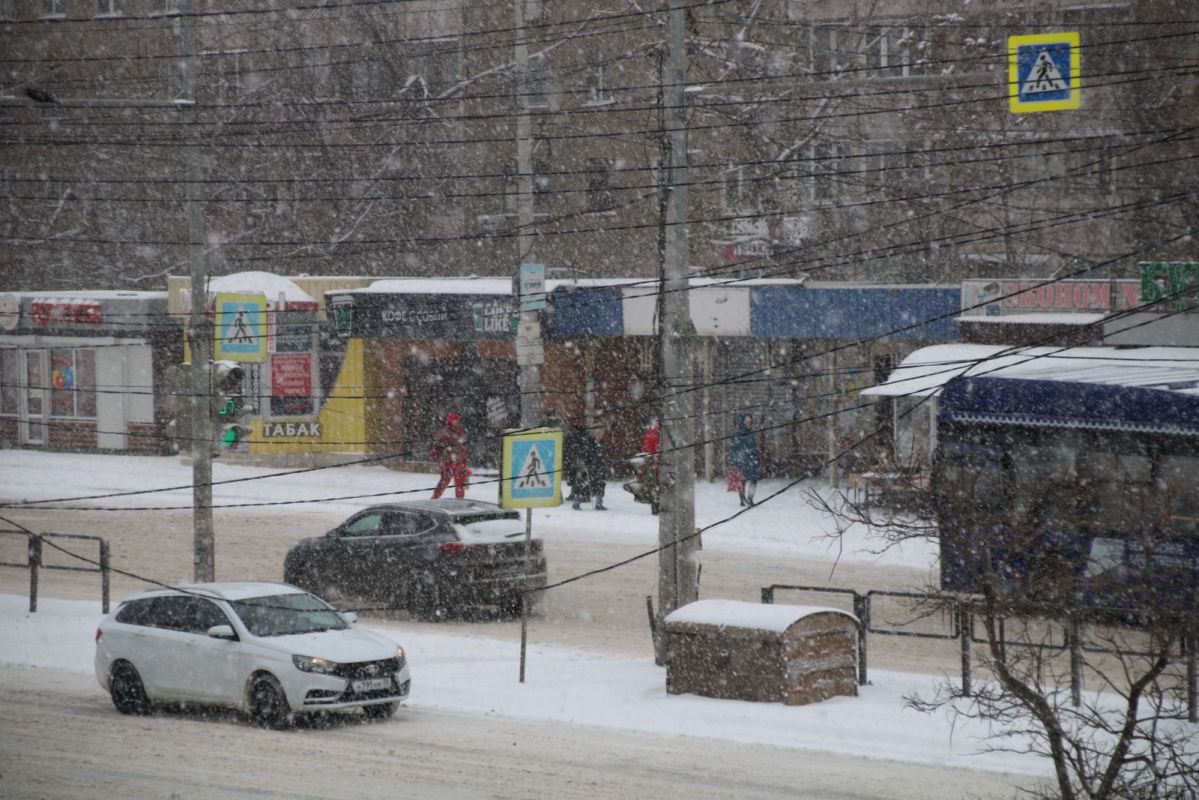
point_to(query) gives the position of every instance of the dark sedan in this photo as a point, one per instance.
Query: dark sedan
(427, 556)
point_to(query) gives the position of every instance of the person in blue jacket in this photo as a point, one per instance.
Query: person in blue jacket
(746, 459)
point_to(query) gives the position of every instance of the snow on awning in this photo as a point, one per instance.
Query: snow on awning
(926, 370)
(1061, 318)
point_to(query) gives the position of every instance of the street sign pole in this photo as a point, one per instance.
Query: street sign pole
(530, 477)
(524, 603)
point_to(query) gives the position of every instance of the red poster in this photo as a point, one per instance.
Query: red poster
(291, 375)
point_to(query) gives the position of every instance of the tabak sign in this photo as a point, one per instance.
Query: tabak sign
(1031, 295)
(47, 312)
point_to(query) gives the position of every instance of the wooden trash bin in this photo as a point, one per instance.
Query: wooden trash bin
(764, 652)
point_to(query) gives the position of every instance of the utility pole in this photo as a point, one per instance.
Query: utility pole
(678, 573)
(199, 332)
(528, 332)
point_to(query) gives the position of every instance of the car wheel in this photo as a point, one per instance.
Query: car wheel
(381, 710)
(268, 704)
(128, 693)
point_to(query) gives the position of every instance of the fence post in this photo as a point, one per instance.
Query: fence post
(1075, 660)
(861, 609)
(966, 621)
(104, 578)
(35, 560)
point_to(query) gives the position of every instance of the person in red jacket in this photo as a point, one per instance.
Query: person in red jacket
(450, 449)
(652, 441)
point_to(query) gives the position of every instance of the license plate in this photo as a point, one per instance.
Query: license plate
(371, 684)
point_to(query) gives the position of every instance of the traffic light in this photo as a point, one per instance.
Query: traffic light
(229, 406)
(178, 428)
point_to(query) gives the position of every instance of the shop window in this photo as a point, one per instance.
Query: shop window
(73, 383)
(108, 8)
(54, 8)
(9, 382)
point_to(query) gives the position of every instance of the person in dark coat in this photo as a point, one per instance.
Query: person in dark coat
(574, 445)
(593, 474)
(451, 450)
(745, 459)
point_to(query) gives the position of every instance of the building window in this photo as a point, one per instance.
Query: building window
(54, 8)
(321, 72)
(6, 9)
(600, 195)
(837, 51)
(599, 82)
(108, 8)
(511, 189)
(73, 383)
(736, 195)
(164, 7)
(819, 175)
(542, 187)
(10, 390)
(537, 84)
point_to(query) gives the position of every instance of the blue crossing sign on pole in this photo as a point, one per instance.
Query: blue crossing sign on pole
(240, 322)
(531, 470)
(1043, 72)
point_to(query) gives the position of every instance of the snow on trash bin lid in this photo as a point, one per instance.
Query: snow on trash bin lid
(739, 614)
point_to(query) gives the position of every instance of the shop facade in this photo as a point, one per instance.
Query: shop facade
(83, 370)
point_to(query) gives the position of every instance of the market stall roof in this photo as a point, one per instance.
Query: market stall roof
(925, 371)
(503, 286)
(1057, 318)
(265, 283)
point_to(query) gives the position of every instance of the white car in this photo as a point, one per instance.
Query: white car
(269, 650)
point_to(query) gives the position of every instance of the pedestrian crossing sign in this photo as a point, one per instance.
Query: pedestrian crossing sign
(1043, 72)
(240, 322)
(531, 471)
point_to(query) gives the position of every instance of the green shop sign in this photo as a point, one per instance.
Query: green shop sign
(1166, 282)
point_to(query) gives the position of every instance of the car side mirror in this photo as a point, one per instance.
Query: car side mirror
(222, 632)
(350, 617)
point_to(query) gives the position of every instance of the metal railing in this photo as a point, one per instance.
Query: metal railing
(35, 564)
(960, 628)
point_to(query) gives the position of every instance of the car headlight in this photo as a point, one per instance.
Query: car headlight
(310, 664)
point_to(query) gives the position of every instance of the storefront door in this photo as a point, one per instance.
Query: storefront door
(34, 407)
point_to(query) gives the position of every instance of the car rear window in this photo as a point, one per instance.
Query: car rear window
(494, 528)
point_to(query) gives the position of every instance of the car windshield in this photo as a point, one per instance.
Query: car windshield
(285, 614)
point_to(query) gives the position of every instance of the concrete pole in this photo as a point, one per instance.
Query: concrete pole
(199, 331)
(677, 568)
(529, 331)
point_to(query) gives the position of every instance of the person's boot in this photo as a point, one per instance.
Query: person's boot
(749, 495)
(576, 504)
(741, 497)
(599, 505)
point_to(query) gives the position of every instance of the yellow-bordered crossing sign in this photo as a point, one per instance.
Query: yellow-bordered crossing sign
(531, 471)
(1044, 72)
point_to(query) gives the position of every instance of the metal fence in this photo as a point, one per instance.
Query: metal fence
(35, 563)
(958, 625)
